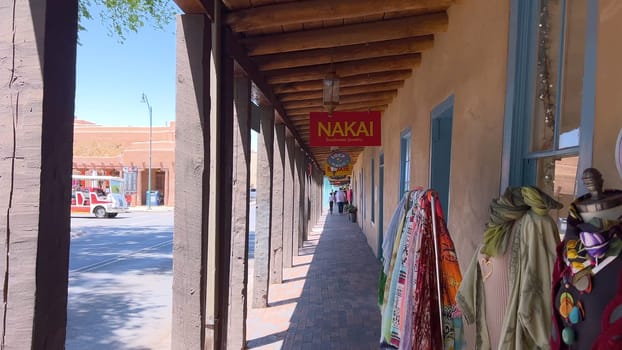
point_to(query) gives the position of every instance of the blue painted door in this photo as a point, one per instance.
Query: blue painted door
(440, 151)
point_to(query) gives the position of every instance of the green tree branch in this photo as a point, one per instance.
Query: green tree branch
(124, 16)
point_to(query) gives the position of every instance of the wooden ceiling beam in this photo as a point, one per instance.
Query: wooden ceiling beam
(350, 90)
(322, 10)
(385, 95)
(351, 34)
(341, 107)
(344, 69)
(299, 118)
(357, 80)
(235, 50)
(197, 7)
(345, 53)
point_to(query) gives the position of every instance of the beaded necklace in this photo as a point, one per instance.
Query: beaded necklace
(598, 245)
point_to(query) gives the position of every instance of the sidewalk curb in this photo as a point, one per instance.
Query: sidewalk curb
(158, 208)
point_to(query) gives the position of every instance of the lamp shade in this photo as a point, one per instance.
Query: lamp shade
(330, 96)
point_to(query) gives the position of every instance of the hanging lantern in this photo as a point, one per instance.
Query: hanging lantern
(331, 92)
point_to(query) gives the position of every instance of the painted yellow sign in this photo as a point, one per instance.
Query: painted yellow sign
(335, 172)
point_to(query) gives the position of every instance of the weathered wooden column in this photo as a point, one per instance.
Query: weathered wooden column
(288, 202)
(239, 215)
(320, 195)
(297, 200)
(297, 193)
(220, 199)
(305, 199)
(263, 221)
(317, 199)
(302, 223)
(308, 196)
(276, 243)
(311, 197)
(37, 70)
(192, 147)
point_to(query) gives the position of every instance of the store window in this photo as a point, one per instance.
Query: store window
(405, 145)
(553, 157)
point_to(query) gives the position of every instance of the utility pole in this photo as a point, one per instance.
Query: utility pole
(146, 100)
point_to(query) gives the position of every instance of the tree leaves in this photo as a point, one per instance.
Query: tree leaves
(124, 16)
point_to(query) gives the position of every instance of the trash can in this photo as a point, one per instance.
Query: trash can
(153, 198)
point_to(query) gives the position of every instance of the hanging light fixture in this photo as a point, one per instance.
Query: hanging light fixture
(330, 96)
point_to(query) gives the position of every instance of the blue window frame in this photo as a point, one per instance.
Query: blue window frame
(405, 146)
(551, 79)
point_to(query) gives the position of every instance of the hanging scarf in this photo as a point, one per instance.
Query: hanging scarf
(514, 203)
(410, 314)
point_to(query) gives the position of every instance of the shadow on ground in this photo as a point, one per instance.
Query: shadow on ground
(338, 306)
(119, 285)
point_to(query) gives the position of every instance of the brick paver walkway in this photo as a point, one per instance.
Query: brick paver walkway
(328, 300)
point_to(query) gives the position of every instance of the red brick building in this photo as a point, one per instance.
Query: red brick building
(120, 150)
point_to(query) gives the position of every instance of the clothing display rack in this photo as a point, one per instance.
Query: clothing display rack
(419, 259)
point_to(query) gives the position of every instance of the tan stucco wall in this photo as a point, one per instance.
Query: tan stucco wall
(608, 114)
(469, 61)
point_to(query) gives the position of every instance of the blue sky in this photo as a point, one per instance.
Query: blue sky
(111, 76)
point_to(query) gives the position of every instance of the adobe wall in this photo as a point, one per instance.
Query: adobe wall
(469, 61)
(608, 114)
(115, 147)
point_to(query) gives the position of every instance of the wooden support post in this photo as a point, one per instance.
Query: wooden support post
(302, 223)
(308, 194)
(297, 199)
(37, 70)
(278, 194)
(263, 219)
(223, 208)
(192, 149)
(221, 167)
(320, 197)
(239, 218)
(288, 202)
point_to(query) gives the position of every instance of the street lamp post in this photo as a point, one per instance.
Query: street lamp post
(146, 100)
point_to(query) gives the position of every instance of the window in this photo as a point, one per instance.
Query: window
(551, 74)
(553, 156)
(373, 192)
(405, 144)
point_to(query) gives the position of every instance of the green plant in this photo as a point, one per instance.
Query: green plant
(351, 208)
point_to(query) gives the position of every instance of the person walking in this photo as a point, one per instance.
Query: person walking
(331, 202)
(340, 196)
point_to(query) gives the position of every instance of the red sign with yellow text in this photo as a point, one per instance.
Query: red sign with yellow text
(345, 129)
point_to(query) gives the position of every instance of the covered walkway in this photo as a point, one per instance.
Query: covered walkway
(328, 299)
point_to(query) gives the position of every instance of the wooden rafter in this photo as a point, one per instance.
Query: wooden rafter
(322, 10)
(340, 107)
(348, 34)
(386, 95)
(362, 108)
(363, 79)
(197, 6)
(350, 90)
(235, 49)
(345, 69)
(345, 53)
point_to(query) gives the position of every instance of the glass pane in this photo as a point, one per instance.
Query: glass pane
(549, 38)
(574, 52)
(557, 177)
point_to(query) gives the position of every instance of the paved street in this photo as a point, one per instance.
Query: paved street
(120, 282)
